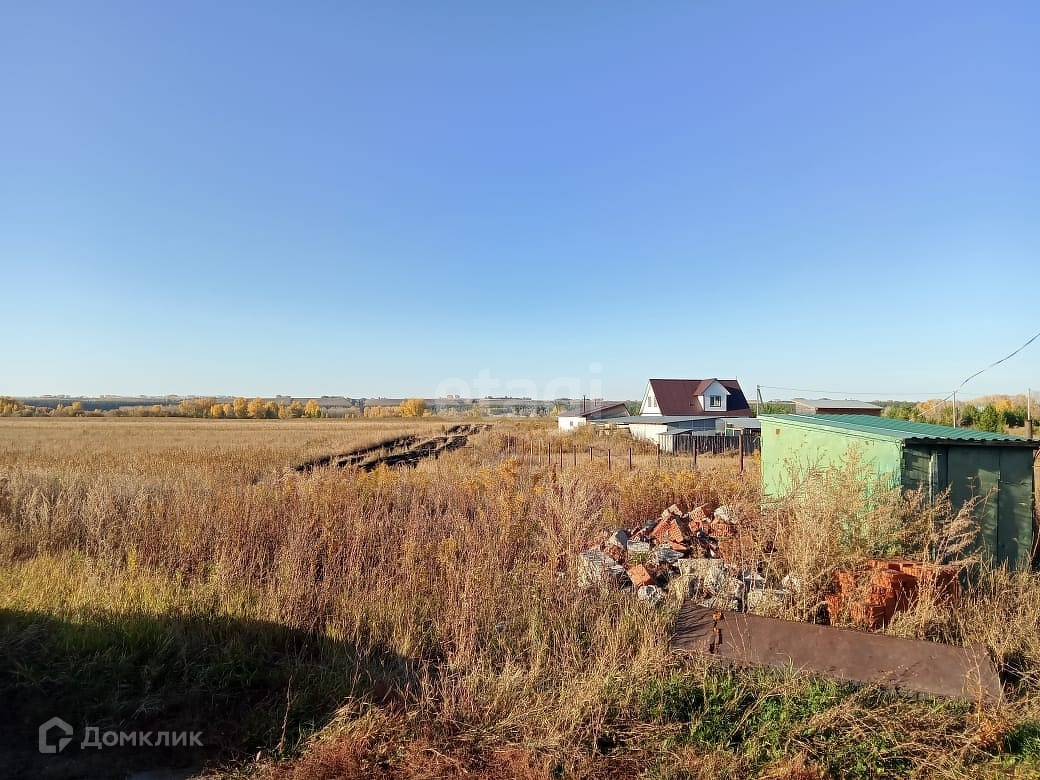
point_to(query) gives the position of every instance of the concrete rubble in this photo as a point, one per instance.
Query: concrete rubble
(715, 561)
(693, 555)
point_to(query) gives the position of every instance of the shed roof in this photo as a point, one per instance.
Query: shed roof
(901, 430)
(577, 411)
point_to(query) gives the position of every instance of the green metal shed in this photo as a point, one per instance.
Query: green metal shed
(970, 462)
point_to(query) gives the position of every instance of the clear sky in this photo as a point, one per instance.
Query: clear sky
(368, 199)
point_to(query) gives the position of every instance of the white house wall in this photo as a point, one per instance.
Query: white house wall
(649, 405)
(716, 388)
(570, 423)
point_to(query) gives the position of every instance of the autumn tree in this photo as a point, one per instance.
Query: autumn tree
(216, 411)
(413, 407)
(257, 408)
(296, 409)
(10, 406)
(241, 407)
(312, 409)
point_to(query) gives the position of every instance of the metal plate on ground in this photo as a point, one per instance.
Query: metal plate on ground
(894, 662)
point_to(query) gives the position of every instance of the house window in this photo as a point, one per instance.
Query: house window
(714, 401)
(650, 400)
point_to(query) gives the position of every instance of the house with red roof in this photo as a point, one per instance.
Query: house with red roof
(694, 398)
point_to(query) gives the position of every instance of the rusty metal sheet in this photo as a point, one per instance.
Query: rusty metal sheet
(901, 664)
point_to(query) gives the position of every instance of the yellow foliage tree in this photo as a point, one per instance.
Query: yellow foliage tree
(413, 407)
(241, 407)
(10, 406)
(257, 408)
(312, 409)
(216, 410)
(296, 409)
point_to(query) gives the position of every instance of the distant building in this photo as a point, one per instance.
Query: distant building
(827, 406)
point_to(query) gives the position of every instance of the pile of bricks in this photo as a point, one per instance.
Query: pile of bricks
(680, 551)
(889, 586)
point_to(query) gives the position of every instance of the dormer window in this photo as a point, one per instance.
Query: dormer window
(714, 401)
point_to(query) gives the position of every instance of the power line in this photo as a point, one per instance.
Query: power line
(997, 363)
(876, 394)
(896, 394)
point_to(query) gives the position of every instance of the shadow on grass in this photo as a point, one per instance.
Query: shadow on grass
(242, 686)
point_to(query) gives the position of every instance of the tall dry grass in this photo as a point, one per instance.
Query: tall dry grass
(470, 645)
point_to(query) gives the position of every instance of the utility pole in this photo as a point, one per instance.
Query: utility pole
(758, 392)
(954, 408)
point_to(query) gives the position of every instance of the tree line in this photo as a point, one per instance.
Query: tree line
(989, 413)
(238, 408)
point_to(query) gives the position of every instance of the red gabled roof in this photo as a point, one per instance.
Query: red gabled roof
(682, 396)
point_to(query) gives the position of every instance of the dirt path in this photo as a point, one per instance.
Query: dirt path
(403, 450)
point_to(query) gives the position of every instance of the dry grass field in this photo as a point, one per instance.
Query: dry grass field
(168, 575)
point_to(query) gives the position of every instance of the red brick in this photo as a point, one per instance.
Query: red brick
(640, 576)
(834, 603)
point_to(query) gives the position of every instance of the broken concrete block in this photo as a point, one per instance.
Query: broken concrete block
(592, 565)
(725, 514)
(752, 580)
(699, 567)
(766, 601)
(638, 548)
(664, 554)
(718, 581)
(650, 594)
(617, 539)
(617, 576)
(683, 586)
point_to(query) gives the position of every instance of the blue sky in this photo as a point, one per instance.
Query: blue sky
(379, 198)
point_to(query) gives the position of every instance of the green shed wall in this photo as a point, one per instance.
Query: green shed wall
(788, 446)
(1002, 474)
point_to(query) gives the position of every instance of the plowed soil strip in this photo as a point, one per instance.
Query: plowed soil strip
(403, 450)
